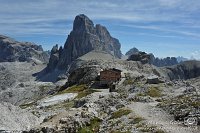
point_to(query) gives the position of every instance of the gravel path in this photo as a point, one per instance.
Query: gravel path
(157, 117)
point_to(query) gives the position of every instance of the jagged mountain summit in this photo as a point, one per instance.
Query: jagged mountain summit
(84, 38)
(12, 50)
(181, 59)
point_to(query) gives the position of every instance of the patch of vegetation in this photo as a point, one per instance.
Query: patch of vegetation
(195, 104)
(119, 132)
(154, 92)
(74, 89)
(145, 129)
(82, 90)
(120, 113)
(85, 93)
(128, 82)
(93, 127)
(139, 85)
(115, 123)
(137, 119)
(148, 128)
(27, 105)
(159, 131)
(44, 88)
(139, 125)
(64, 105)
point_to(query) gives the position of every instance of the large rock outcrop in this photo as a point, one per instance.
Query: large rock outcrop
(84, 38)
(83, 75)
(11, 50)
(141, 56)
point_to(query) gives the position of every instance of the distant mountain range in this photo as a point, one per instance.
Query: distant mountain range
(181, 59)
(160, 62)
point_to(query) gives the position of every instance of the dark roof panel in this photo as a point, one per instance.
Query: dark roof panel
(114, 69)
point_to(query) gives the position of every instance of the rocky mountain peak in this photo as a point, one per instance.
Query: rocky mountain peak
(84, 37)
(132, 51)
(82, 23)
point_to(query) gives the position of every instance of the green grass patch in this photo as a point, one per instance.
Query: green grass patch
(195, 104)
(154, 92)
(82, 90)
(74, 89)
(93, 127)
(148, 128)
(143, 127)
(159, 131)
(120, 113)
(128, 82)
(44, 88)
(137, 119)
(120, 132)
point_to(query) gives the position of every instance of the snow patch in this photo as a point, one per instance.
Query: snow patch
(57, 99)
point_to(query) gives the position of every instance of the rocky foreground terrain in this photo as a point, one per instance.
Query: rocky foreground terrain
(65, 97)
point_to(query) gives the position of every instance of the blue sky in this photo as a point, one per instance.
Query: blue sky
(162, 27)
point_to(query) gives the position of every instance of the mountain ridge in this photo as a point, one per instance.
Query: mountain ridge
(12, 50)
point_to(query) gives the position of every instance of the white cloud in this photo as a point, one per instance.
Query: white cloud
(27, 17)
(195, 55)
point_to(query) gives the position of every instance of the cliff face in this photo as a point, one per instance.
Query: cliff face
(84, 38)
(11, 50)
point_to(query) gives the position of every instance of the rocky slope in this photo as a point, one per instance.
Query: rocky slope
(132, 107)
(136, 106)
(12, 50)
(84, 38)
(17, 83)
(15, 119)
